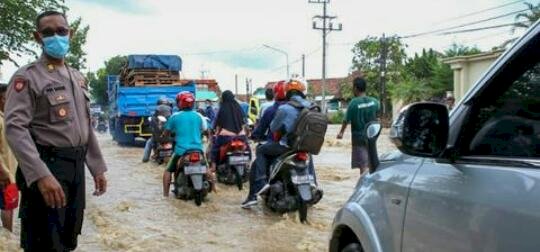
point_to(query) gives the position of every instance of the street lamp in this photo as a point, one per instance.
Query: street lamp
(281, 51)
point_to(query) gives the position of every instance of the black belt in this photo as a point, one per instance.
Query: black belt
(71, 153)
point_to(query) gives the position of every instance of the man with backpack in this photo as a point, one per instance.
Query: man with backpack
(284, 129)
(362, 110)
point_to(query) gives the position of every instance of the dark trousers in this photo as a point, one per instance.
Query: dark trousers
(266, 154)
(48, 229)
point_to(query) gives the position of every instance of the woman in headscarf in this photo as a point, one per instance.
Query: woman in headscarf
(230, 123)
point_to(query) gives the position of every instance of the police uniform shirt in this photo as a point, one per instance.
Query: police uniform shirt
(50, 106)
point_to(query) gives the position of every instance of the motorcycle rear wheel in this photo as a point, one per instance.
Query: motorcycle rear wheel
(198, 198)
(239, 180)
(302, 210)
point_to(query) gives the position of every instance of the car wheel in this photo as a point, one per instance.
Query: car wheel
(353, 247)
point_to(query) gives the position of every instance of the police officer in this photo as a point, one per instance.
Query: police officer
(48, 128)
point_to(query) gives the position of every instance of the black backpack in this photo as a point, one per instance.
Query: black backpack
(309, 130)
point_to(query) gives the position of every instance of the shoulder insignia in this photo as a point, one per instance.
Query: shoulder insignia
(19, 84)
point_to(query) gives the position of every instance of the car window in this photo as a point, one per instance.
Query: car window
(509, 125)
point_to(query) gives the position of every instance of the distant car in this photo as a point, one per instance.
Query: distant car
(468, 181)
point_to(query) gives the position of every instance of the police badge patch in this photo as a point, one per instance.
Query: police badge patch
(19, 84)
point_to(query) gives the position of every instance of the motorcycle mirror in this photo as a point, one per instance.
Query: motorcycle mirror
(162, 119)
(373, 130)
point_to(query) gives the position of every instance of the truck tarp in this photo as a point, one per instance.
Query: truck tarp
(164, 62)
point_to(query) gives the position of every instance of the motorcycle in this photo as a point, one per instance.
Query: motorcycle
(290, 186)
(190, 178)
(233, 166)
(102, 127)
(164, 146)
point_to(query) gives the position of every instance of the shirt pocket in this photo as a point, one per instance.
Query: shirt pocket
(60, 109)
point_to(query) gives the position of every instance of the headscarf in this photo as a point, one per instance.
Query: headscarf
(230, 115)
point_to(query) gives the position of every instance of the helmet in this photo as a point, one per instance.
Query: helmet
(280, 92)
(163, 101)
(295, 85)
(185, 100)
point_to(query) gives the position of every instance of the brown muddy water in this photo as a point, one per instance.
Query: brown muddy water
(133, 215)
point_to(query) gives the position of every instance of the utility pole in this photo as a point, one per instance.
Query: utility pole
(327, 27)
(247, 90)
(382, 88)
(303, 66)
(236, 84)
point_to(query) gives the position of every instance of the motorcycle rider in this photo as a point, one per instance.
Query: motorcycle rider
(230, 124)
(164, 108)
(188, 125)
(262, 133)
(282, 124)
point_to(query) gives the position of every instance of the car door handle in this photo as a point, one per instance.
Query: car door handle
(395, 201)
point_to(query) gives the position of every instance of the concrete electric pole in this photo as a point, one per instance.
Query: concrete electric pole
(326, 27)
(382, 91)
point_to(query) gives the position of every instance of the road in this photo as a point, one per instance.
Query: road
(133, 215)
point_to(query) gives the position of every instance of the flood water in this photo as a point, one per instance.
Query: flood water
(133, 215)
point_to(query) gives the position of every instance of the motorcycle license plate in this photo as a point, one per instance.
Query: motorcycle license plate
(166, 153)
(302, 179)
(236, 160)
(198, 169)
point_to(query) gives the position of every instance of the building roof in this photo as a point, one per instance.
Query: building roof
(332, 87)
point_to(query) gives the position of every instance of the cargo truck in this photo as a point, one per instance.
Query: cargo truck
(133, 95)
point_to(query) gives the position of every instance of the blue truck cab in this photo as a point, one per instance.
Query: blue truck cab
(131, 107)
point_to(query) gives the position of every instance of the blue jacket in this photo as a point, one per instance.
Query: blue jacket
(262, 130)
(286, 117)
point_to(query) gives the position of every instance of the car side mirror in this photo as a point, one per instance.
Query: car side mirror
(373, 130)
(421, 129)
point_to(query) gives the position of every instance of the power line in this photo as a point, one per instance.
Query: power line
(476, 29)
(480, 11)
(463, 25)
(295, 61)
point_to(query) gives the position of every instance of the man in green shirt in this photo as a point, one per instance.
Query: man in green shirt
(362, 110)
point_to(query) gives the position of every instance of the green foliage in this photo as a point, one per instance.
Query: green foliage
(337, 117)
(425, 76)
(461, 50)
(17, 22)
(77, 56)
(98, 81)
(526, 20)
(366, 59)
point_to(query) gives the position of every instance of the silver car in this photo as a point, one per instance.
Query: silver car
(464, 181)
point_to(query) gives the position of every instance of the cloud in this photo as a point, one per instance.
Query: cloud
(250, 59)
(123, 6)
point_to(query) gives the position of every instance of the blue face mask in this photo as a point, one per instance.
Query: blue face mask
(56, 46)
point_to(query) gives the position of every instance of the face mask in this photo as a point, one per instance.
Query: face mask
(56, 46)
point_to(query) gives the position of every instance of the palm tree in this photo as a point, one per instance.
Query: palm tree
(527, 19)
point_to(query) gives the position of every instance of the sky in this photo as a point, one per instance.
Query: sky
(221, 39)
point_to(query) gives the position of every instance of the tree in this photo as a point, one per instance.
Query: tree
(76, 57)
(367, 60)
(460, 50)
(425, 76)
(98, 81)
(17, 22)
(526, 20)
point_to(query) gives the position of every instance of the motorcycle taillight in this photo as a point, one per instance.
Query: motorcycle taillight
(301, 156)
(194, 157)
(237, 145)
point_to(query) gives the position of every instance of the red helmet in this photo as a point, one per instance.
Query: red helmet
(185, 100)
(279, 90)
